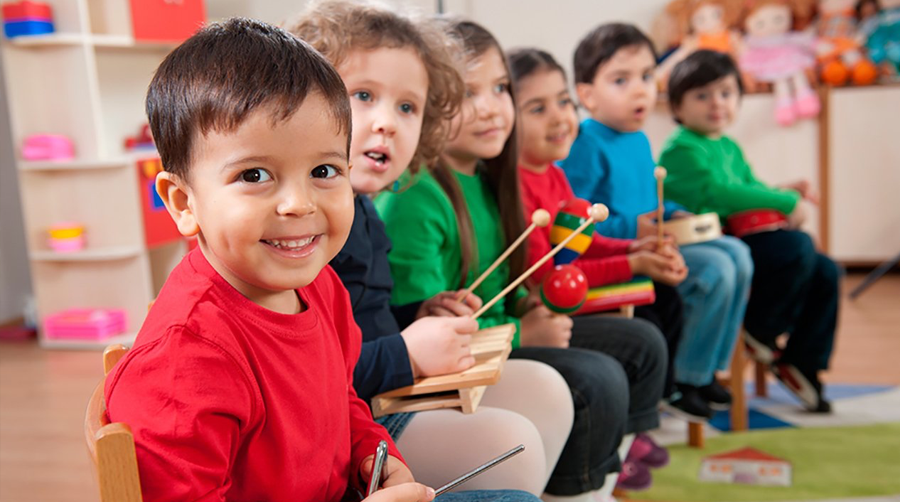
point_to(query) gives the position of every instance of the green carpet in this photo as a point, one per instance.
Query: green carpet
(828, 463)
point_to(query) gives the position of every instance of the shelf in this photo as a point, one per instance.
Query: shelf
(126, 339)
(66, 165)
(127, 42)
(99, 41)
(49, 39)
(102, 254)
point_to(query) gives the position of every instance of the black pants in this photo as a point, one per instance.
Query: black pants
(667, 314)
(794, 291)
(615, 370)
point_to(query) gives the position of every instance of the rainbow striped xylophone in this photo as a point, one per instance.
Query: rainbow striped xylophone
(639, 291)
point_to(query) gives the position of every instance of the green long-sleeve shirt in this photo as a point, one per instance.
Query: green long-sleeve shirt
(711, 175)
(426, 258)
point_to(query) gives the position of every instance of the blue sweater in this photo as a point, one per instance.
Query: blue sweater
(363, 267)
(615, 168)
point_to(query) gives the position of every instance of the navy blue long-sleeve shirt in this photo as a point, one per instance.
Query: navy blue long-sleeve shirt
(363, 267)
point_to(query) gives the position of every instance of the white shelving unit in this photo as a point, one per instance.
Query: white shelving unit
(87, 81)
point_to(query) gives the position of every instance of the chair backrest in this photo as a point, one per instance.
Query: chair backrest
(111, 445)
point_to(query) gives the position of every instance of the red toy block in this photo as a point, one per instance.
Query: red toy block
(165, 20)
(159, 228)
(35, 11)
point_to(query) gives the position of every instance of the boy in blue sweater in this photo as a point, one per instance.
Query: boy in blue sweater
(611, 162)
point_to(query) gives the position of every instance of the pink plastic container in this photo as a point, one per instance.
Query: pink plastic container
(85, 324)
(48, 147)
(66, 245)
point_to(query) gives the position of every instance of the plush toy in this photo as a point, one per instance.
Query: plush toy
(884, 42)
(838, 48)
(774, 53)
(701, 24)
(866, 17)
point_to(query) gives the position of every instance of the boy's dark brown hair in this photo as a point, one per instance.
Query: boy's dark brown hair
(501, 172)
(336, 28)
(601, 44)
(225, 72)
(697, 70)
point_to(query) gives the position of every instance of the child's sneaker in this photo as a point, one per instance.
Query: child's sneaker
(759, 351)
(647, 452)
(635, 476)
(717, 396)
(807, 388)
(687, 404)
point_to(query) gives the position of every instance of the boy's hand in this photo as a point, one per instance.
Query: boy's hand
(648, 243)
(797, 216)
(407, 492)
(395, 472)
(445, 305)
(540, 327)
(805, 189)
(440, 345)
(666, 267)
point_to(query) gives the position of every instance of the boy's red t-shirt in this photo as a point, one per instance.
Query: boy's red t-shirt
(230, 401)
(604, 262)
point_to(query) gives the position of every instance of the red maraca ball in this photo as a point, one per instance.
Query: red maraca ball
(564, 289)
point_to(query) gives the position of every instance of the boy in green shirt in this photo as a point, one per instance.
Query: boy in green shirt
(795, 288)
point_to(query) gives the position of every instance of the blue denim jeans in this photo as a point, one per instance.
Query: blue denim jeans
(715, 299)
(488, 496)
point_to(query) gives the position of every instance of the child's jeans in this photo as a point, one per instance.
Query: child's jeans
(795, 290)
(715, 300)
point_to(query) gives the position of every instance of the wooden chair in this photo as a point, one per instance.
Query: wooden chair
(111, 445)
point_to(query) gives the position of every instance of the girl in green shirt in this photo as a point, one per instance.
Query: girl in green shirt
(456, 217)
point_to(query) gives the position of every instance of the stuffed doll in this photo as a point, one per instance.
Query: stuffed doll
(839, 55)
(774, 53)
(884, 42)
(701, 24)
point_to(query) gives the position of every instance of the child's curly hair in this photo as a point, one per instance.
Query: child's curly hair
(336, 28)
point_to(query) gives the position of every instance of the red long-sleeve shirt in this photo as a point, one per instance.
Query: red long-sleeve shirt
(604, 261)
(230, 401)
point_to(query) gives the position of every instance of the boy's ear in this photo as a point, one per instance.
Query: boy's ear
(176, 195)
(585, 96)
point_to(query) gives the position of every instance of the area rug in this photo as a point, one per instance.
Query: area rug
(828, 463)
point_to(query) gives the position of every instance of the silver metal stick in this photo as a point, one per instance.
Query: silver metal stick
(478, 470)
(377, 467)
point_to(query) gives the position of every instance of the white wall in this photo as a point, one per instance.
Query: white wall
(15, 280)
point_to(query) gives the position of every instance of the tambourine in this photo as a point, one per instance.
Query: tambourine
(693, 229)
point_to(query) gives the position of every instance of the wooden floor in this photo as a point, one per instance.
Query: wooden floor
(43, 394)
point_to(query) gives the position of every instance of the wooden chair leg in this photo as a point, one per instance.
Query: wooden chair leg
(739, 419)
(762, 388)
(695, 435)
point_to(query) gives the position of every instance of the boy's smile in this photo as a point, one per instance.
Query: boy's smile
(623, 91)
(388, 91)
(271, 200)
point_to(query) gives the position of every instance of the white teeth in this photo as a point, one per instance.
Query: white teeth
(293, 244)
(377, 157)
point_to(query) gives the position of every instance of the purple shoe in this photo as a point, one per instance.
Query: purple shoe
(635, 476)
(647, 452)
